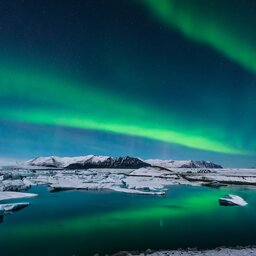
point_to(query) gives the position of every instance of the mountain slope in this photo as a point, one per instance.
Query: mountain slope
(86, 162)
(91, 161)
(182, 163)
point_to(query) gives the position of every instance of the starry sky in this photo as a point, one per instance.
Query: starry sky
(169, 79)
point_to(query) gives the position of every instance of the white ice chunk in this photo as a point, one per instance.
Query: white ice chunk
(5, 195)
(232, 200)
(12, 207)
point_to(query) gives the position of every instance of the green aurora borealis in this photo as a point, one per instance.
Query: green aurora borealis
(190, 18)
(176, 74)
(86, 108)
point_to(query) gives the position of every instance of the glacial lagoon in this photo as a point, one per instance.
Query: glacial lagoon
(86, 222)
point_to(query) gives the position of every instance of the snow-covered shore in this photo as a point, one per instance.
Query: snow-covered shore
(146, 180)
(215, 252)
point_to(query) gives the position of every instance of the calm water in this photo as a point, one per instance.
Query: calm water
(84, 223)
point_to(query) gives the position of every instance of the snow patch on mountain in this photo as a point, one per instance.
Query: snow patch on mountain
(85, 162)
(182, 163)
(91, 161)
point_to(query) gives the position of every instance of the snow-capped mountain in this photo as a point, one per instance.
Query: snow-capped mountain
(182, 163)
(86, 162)
(91, 161)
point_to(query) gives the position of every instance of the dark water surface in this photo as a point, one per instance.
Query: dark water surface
(85, 223)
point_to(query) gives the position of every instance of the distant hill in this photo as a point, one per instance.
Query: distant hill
(91, 161)
(182, 163)
(86, 162)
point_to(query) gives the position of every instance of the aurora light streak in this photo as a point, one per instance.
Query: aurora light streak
(155, 79)
(69, 104)
(191, 20)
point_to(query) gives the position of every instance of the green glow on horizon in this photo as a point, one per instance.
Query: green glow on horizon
(44, 99)
(192, 22)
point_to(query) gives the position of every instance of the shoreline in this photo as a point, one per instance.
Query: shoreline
(146, 180)
(219, 251)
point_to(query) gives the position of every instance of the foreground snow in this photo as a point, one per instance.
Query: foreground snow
(216, 252)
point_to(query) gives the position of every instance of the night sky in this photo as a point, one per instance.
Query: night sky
(169, 79)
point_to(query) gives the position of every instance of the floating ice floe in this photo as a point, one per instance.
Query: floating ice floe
(127, 175)
(4, 208)
(6, 195)
(232, 200)
(213, 184)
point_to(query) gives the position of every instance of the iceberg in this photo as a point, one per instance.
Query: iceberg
(232, 200)
(13, 207)
(6, 195)
(6, 208)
